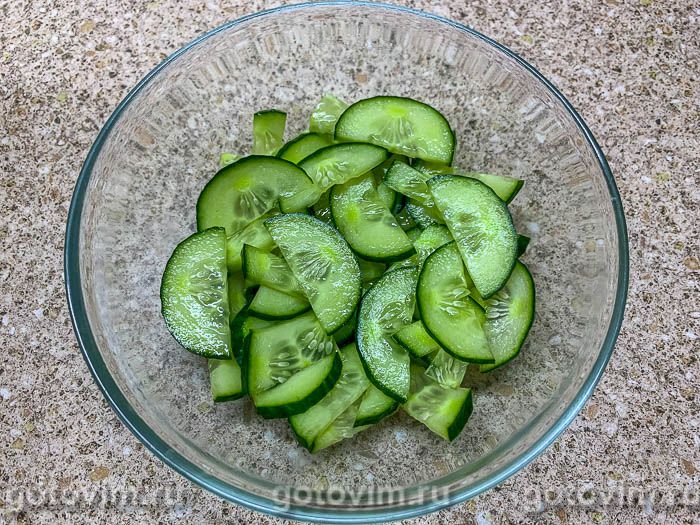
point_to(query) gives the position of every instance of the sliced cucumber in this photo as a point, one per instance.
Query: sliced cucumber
(381, 170)
(505, 187)
(237, 298)
(332, 165)
(385, 308)
(225, 374)
(404, 263)
(350, 386)
(227, 158)
(323, 264)
(482, 226)
(425, 242)
(405, 220)
(430, 240)
(304, 145)
(375, 405)
(342, 428)
(416, 340)
(334, 238)
(523, 243)
(414, 234)
(346, 333)
(270, 270)
(509, 316)
(245, 190)
(322, 208)
(226, 379)
(445, 411)
(424, 215)
(414, 260)
(389, 197)
(447, 371)
(401, 125)
(326, 114)
(268, 131)
(241, 326)
(194, 294)
(369, 270)
(366, 223)
(449, 314)
(272, 304)
(291, 365)
(301, 391)
(404, 179)
(392, 199)
(254, 234)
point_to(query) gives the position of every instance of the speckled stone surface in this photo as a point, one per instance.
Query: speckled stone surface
(631, 69)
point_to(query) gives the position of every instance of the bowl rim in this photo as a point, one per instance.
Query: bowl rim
(127, 414)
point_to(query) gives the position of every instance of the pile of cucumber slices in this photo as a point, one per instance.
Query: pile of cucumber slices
(351, 271)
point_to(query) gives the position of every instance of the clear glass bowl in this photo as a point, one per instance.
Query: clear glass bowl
(135, 200)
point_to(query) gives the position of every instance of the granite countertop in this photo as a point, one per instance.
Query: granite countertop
(630, 67)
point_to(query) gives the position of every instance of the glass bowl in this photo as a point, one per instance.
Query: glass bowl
(135, 200)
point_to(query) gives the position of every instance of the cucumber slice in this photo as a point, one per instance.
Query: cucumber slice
(505, 187)
(401, 125)
(447, 371)
(509, 316)
(405, 220)
(272, 304)
(236, 290)
(385, 308)
(194, 294)
(255, 234)
(375, 405)
(265, 268)
(227, 158)
(241, 325)
(225, 374)
(268, 131)
(369, 270)
(326, 114)
(416, 340)
(291, 365)
(414, 234)
(445, 411)
(404, 263)
(340, 429)
(381, 170)
(243, 191)
(301, 391)
(352, 383)
(392, 199)
(430, 240)
(425, 242)
(449, 315)
(226, 379)
(322, 208)
(332, 165)
(323, 264)
(366, 223)
(403, 179)
(346, 333)
(424, 215)
(388, 197)
(482, 226)
(523, 243)
(304, 145)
